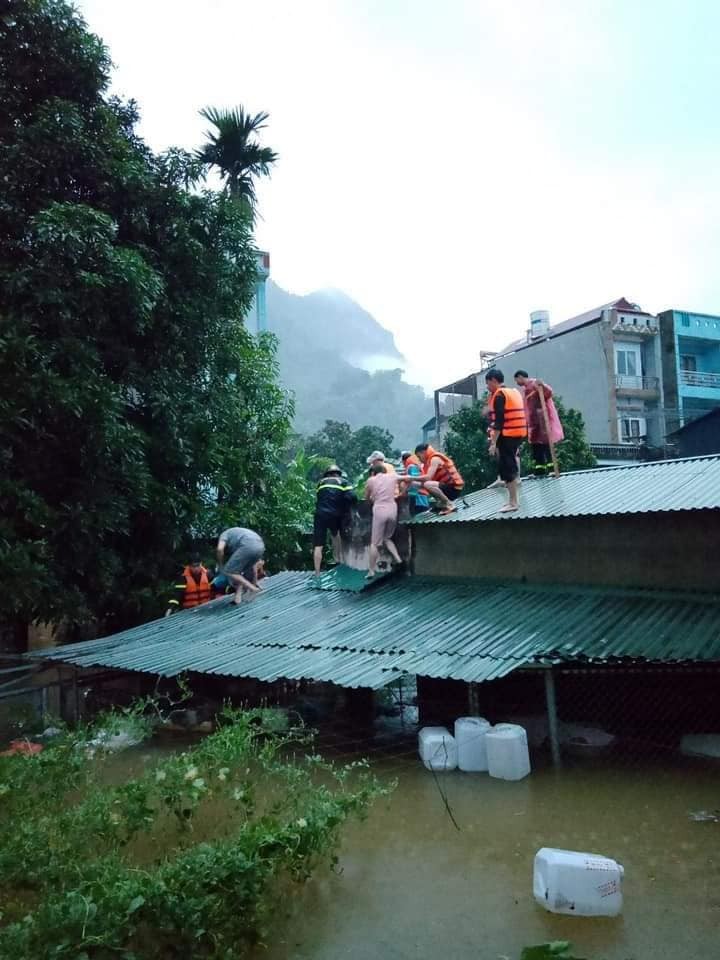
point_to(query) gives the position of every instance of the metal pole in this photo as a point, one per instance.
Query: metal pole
(551, 705)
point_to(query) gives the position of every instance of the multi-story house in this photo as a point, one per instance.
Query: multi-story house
(690, 365)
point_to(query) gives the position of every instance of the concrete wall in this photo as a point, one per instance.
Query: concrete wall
(576, 366)
(670, 551)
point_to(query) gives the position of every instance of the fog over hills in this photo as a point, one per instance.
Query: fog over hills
(343, 365)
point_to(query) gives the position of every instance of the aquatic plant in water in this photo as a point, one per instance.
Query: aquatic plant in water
(182, 860)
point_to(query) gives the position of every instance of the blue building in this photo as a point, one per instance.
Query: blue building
(691, 365)
(256, 319)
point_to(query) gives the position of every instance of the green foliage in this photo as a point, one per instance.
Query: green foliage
(133, 396)
(350, 448)
(232, 148)
(557, 950)
(185, 859)
(467, 444)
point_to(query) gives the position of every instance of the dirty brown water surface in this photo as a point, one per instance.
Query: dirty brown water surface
(411, 885)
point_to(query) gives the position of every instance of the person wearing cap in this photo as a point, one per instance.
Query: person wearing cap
(335, 496)
(377, 457)
(417, 494)
(192, 588)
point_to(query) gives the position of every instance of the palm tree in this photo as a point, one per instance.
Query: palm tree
(232, 147)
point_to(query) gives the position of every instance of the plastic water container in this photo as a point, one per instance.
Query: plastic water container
(437, 748)
(507, 752)
(583, 884)
(471, 748)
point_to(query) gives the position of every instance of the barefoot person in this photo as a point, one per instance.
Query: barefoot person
(440, 477)
(508, 429)
(239, 553)
(380, 490)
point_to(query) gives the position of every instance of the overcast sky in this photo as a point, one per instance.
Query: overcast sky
(454, 165)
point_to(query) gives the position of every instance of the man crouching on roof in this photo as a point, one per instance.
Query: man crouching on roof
(244, 550)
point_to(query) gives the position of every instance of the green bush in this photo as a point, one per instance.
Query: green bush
(181, 861)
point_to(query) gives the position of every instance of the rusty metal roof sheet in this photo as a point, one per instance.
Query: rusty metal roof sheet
(660, 487)
(460, 629)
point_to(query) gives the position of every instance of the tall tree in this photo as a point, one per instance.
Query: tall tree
(350, 449)
(468, 446)
(233, 148)
(133, 396)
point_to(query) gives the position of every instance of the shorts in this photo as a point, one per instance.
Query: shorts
(507, 450)
(323, 524)
(244, 557)
(451, 492)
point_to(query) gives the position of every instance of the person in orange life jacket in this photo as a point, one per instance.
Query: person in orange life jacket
(440, 476)
(508, 429)
(192, 588)
(497, 482)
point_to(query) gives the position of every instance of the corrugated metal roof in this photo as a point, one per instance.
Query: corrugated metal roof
(346, 578)
(460, 629)
(661, 487)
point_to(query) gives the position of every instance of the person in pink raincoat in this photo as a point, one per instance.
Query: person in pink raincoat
(537, 431)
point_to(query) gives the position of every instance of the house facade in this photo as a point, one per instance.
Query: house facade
(691, 365)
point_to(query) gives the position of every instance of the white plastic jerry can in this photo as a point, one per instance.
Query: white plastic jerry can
(507, 752)
(470, 738)
(437, 748)
(580, 884)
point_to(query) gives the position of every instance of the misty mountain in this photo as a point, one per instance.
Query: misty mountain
(327, 347)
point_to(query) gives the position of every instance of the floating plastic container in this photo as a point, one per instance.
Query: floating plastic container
(437, 748)
(580, 884)
(507, 752)
(471, 748)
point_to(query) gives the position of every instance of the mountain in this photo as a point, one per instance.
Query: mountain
(343, 365)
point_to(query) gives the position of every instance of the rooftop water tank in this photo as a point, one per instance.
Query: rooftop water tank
(539, 324)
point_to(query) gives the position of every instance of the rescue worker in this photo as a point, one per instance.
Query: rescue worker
(335, 496)
(193, 587)
(239, 552)
(417, 494)
(508, 429)
(440, 477)
(378, 457)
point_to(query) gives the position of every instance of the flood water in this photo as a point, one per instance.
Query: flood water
(411, 885)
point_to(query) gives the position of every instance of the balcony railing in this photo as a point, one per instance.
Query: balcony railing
(637, 383)
(617, 451)
(695, 378)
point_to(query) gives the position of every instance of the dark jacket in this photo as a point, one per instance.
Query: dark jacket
(335, 495)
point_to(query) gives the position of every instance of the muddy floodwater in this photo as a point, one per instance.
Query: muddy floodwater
(411, 885)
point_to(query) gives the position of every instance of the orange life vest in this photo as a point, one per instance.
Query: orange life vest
(196, 593)
(447, 472)
(514, 421)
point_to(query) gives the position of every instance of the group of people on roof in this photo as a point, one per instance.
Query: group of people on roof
(515, 414)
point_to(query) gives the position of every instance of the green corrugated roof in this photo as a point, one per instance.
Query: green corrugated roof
(346, 578)
(467, 630)
(665, 486)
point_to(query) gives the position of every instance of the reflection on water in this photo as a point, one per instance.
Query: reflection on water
(411, 885)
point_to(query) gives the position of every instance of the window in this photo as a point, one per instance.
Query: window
(632, 429)
(628, 360)
(688, 362)
(685, 320)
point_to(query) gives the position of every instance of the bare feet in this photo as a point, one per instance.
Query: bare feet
(369, 575)
(445, 510)
(509, 508)
(495, 484)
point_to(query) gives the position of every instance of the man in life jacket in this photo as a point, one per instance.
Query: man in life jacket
(335, 496)
(417, 494)
(440, 477)
(192, 588)
(508, 429)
